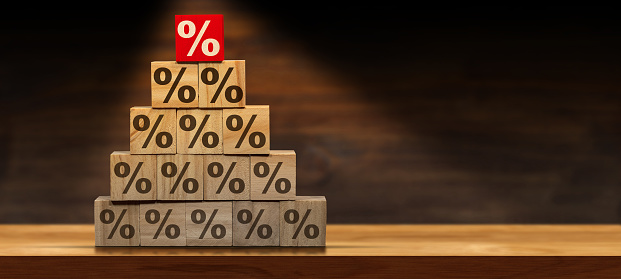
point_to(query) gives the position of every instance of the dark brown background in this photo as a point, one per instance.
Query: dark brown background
(398, 114)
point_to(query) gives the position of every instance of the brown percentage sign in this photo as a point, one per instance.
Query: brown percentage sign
(107, 216)
(228, 92)
(235, 123)
(172, 231)
(190, 185)
(282, 185)
(215, 170)
(264, 231)
(198, 216)
(292, 216)
(157, 76)
(122, 170)
(209, 139)
(142, 123)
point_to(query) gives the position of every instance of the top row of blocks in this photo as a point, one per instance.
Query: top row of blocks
(198, 85)
(199, 38)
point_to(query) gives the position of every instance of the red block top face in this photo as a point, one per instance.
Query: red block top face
(199, 38)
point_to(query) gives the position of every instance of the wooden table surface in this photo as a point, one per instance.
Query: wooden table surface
(351, 250)
(347, 240)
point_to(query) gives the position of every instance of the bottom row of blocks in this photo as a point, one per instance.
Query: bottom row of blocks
(299, 222)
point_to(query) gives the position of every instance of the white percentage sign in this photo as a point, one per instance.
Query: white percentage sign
(191, 31)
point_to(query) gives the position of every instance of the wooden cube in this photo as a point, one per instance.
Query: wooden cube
(209, 223)
(199, 131)
(162, 224)
(303, 222)
(116, 223)
(132, 177)
(246, 130)
(174, 85)
(226, 177)
(222, 84)
(152, 131)
(273, 177)
(179, 177)
(256, 223)
(194, 41)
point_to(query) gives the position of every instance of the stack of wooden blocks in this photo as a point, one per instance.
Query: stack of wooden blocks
(200, 171)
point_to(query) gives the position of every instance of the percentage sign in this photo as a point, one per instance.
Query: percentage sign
(122, 170)
(216, 170)
(192, 31)
(107, 216)
(188, 124)
(172, 231)
(157, 76)
(292, 217)
(235, 123)
(142, 123)
(264, 231)
(199, 216)
(282, 185)
(228, 92)
(169, 169)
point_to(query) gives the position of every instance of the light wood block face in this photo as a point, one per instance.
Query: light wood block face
(247, 130)
(209, 223)
(273, 177)
(227, 177)
(223, 84)
(303, 222)
(199, 131)
(116, 224)
(132, 177)
(152, 131)
(162, 224)
(174, 85)
(256, 223)
(179, 177)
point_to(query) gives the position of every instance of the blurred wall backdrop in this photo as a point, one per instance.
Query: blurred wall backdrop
(397, 114)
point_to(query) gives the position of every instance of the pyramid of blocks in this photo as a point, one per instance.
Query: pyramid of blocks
(199, 170)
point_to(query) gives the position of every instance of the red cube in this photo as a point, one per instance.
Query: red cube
(199, 38)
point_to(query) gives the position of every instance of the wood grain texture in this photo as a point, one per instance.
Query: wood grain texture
(180, 177)
(143, 139)
(348, 240)
(205, 230)
(216, 170)
(471, 115)
(137, 170)
(190, 122)
(116, 223)
(235, 122)
(273, 177)
(303, 221)
(181, 78)
(232, 94)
